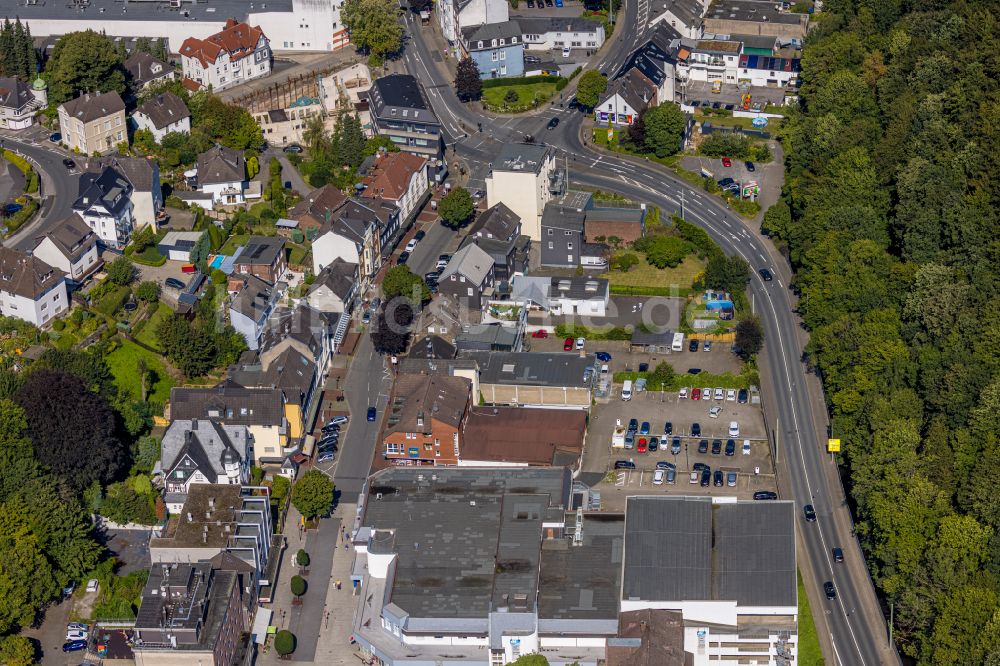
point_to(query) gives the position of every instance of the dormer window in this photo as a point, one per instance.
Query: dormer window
(501, 42)
(480, 44)
(493, 43)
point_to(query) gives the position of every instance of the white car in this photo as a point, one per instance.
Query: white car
(92, 585)
(706, 394)
(565, 52)
(734, 429)
(76, 635)
(714, 411)
(746, 447)
(731, 395)
(719, 395)
(411, 245)
(580, 342)
(658, 477)
(682, 394)
(441, 264)
(77, 626)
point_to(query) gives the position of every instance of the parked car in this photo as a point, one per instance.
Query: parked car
(565, 52)
(682, 394)
(719, 479)
(726, 162)
(675, 445)
(696, 394)
(568, 344)
(629, 439)
(706, 394)
(765, 274)
(810, 513)
(174, 283)
(731, 479)
(633, 425)
(540, 333)
(750, 167)
(719, 394)
(411, 245)
(93, 585)
(419, 236)
(726, 181)
(706, 477)
(293, 148)
(76, 635)
(694, 371)
(694, 477)
(693, 346)
(644, 428)
(74, 646)
(603, 357)
(654, 443)
(366, 317)
(829, 590)
(624, 464)
(11, 208)
(580, 342)
(731, 395)
(741, 396)
(338, 420)
(746, 447)
(707, 346)
(734, 429)
(371, 413)
(696, 430)
(663, 464)
(531, 4)
(77, 626)
(765, 495)
(55, 137)
(403, 258)
(326, 456)
(642, 445)
(716, 447)
(714, 411)
(668, 428)
(700, 467)
(703, 446)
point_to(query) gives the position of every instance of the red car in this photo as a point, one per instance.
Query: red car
(568, 345)
(696, 394)
(540, 333)
(641, 446)
(726, 162)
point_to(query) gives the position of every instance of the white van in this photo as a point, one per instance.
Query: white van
(627, 390)
(678, 344)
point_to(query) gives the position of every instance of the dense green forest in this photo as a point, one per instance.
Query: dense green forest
(889, 216)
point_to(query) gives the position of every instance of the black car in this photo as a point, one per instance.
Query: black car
(694, 371)
(716, 105)
(444, 257)
(720, 478)
(654, 443)
(419, 235)
(668, 428)
(698, 467)
(372, 412)
(741, 397)
(703, 446)
(838, 555)
(624, 464)
(810, 513)
(830, 590)
(55, 137)
(706, 477)
(532, 59)
(174, 282)
(726, 181)
(750, 167)
(693, 346)
(730, 107)
(730, 447)
(765, 275)
(633, 425)
(765, 495)
(716, 447)
(553, 123)
(675, 445)
(403, 258)
(69, 164)
(531, 4)
(644, 367)
(293, 148)
(696, 103)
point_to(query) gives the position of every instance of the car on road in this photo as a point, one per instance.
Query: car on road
(419, 236)
(403, 258)
(726, 162)
(624, 464)
(540, 333)
(719, 478)
(707, 346)
(706, 477)
(326, 457)
(580, 342)
(55, 137)
(716, 447)
(696, 394)
(69, 164)
(750, 167)
(765, 274)
(765, 495)
(603, 357)
(746, 447)
(411, 245)
(838, 555)
(703, 446)
(644, 428)
(696, 430)
(293, 148)
(372, 413)
(829, 590)
(338, 420)
(734, 429)
(731, 479)
(693, 346)
(741, 397)
(810, 513)
(658, 477)
(74, 646)
(730, 447)
(553, 123)
(568, 344)
(174, 283)
(76, 635)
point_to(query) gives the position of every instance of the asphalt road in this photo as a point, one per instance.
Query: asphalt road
(58, 190)
(425, 255)
(852, 627)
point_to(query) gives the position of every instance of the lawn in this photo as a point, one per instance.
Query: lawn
(235, 241)
(296, 254)
(809, 650)
(122, 363)
(147, 335)
(645, 274)
(540, 92)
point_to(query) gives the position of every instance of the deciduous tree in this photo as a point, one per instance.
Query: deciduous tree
(468, 82)
(84, 62)
(312, 494)
(374, 26)
(592, 85)
(456, 207)
(401, 281)
(749, 336)
(664, 127)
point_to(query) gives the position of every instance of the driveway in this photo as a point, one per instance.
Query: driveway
(159, 274)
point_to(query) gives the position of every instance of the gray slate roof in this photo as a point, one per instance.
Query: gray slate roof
(472, 262)
(14, 94)
(164, 109)
(110, 189)
(228, 403)
(140, 67)
(203, 446)
(487, 32)
(91, 106)
(562, 218)
(221, 165)
(143, 174)
(532, 368)
(391, 95)
(498, 222)
(254, 299)
(339, 277)
(260, 251)
(686, 548)
(520, 157)
(72, 236)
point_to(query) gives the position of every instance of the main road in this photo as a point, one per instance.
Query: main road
(852, 627)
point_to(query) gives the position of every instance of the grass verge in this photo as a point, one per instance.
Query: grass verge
(147, 334)
(645, 274)
(123, 361)
(529, 96)
(809, 650)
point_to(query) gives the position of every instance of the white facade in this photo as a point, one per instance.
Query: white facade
(591, 38)
(36, 311)
(476, 12)
(767, 78)
(225, 72)
(50, 253)
(332, 246)
(617, 110)
(711, 65)
(142, 121)
(113, 231)
(17, 109)
(226, 193)
(146, 204)
(524, 192)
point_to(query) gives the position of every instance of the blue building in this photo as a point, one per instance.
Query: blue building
(497, 48)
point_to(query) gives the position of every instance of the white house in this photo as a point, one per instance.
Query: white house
(222, 172)
(454, 15)
(201, 451)
(105, 205)
(163, 114)
(70, 246)
(335, 287)
(252, 304)
(625, 98)
(684, 16)
(236, 54)
(144, 177)
(19, 102)
(524, 178)
(30, 289)
(584, 296)
(400, 178)
(546, 34)
(709, 60)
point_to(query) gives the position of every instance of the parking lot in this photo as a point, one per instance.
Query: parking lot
(718, 361)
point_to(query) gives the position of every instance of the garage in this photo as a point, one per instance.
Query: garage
(177, 245)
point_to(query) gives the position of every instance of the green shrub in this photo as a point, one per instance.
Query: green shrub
(58, 325)
(15, 221)
(302, 558)
(518, 81)
(149, 257)
(298, 585)
(112, 302)
(284, 642)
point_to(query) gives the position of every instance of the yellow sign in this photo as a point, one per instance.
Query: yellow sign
(833, 446)
(611, 135)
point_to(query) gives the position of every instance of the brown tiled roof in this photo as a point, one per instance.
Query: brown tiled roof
(661, 639)
(164, 109)
(72, 236)
(91, 106)
(517, 434)
(25, 275)
(428, 397)
(237, 39)
(390, 176)
(319, 204)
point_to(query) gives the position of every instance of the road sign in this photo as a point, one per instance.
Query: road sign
(611, 135)
(833, 446)
(759, 122)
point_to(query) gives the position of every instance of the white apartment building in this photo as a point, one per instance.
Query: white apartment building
(70, 246)
(30, 289)
(105, 205)
(238, 53)
(524, 178)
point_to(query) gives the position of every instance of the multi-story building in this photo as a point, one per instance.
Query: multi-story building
(263, 257)
(70, 246)
(562, 235)
(496, 48)
(684, 16)
(468, 276)
(425, 418)
(626, 97)
(93, 123)
(238, 53)
(250, 307)
(144, 70)
(534, 379)
(30, 289)
(709, 60)
(400, 111)
(222, 172)
(497, 231)
(163, 114)
(398, 178)
(548, 33)
(755, 17)
(144, 177)
(19, 102)
(201, 451)
(524, 178)
(455, 15)
(105, 204)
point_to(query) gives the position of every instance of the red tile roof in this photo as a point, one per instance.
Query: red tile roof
(390, 177)
(237, 39)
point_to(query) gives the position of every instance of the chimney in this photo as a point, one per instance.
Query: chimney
(190, 517)
(211, 503)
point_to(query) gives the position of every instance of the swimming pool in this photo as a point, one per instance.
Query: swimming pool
(217, 261)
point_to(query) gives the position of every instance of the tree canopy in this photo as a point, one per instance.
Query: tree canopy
(662, 128)
(17, 50)
(374, 26)
(401, 281)
(312, 494)
(81, 62)
(592, 85)
(468, 82)
(456, 207)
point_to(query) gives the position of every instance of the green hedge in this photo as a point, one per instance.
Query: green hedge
(521, 81)
(112, 301)
(575, 331)
(17, 220)
(703, 379)
(149, 257)
(630, 290)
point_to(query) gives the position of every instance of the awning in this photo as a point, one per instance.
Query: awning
(261, 621)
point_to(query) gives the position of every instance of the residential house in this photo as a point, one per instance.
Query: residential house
(555, 33)
(468, 277)
(400, 111)
(222, 172)
(684, 16)
(397, 178)
(524, 178)
(253, 303)
(263, 257)
(562, 295)
(490, 337)
(455, 15)
(200, 451)
(626, 97)
(606, 222)
(755, 17)
(19, 102)
(656, 59)
(315, 335)
(238, 53)
(519, 437)
(497, 231)
(289, 370)
(768, 71)
(70, 246)
(709, 60)
(349, 237)
(335, 288)
(317, 208)
(163, 114)
(93, 123)
(534, 379)
(144, 177)
(143, 70)
(424, 419)
(431, 346)
(105, 205)
(261, 410)
(562, 235)
(496, 48)
(177, 245)
(30, 289)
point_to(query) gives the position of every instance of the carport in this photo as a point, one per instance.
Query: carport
(652, 343)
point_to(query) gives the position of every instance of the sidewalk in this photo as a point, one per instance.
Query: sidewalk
(334, 645)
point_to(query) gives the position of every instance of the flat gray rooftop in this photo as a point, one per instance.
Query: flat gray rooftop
(526, 157)
(117, 10)
(532, 368)
(757, 11)
(688, 549)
